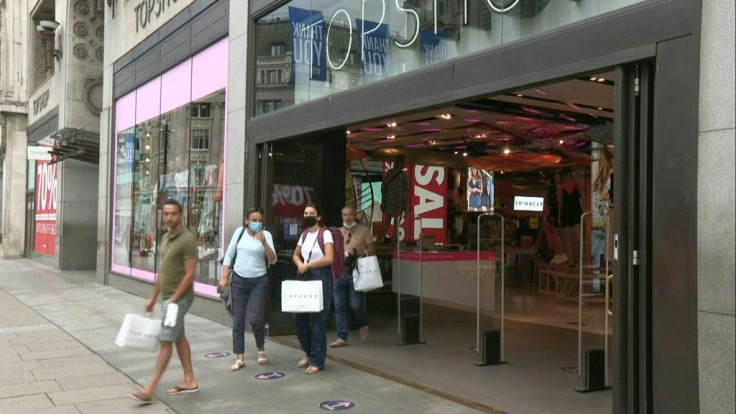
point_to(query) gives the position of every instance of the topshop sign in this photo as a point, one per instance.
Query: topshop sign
(342, 15)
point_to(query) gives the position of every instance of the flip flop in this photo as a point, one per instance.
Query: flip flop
(237, 365)
(303, 363)
(181, 390)
(141, 398)
(312, 370)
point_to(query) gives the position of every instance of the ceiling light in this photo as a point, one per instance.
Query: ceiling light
(465, 154)
(347, 132)
(600, 109)
(432, 142)
(455, 152)
(601, 79)
(562, 142)
(445, 116)
(506, 152)
(593, 79)
(391, 125)
(148, 147)
(391, 137)
(519, 95)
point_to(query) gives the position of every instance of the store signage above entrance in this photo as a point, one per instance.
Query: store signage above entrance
(140, 18)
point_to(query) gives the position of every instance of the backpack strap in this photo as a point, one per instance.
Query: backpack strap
(321, 238)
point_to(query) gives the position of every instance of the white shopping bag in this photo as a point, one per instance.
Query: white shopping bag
(138, 332)
(172, 311)
(367, 274)
(301, 296)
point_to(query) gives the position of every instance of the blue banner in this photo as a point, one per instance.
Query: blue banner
(435, 47)
(309, 54)
(375, 50)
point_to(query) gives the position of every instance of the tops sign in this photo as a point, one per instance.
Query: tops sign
(146, 10)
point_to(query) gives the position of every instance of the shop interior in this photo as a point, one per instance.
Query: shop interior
(484, 177)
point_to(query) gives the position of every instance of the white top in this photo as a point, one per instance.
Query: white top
(313, 246)
(251, 259)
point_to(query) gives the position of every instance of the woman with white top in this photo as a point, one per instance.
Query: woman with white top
(248, 255)
(313, 259)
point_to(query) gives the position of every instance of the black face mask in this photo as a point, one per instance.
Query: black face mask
(309, 221)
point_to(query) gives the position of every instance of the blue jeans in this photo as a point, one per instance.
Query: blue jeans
(345, 290)
(311, 328)
(250, 294)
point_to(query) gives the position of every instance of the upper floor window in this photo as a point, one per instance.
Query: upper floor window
(201, 110)
(277, 49)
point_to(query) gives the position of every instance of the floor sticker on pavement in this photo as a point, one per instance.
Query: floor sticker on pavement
(217, 355)
(337, 405)
(270, 375)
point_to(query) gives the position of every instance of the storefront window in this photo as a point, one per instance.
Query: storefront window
(170, 145)
(308, 49)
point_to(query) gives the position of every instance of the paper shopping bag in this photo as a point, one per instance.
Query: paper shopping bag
(367, 274)
(138, 332)
(301, 296)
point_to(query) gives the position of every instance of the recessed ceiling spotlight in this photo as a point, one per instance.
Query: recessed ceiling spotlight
(455, 152)
(391, 125)
(600, 109)
(445, 116)
(506, 152)
(391, 137)
(432, 142)
(562, 142)
(601, 79)
(593, 79)
(465, 154)
(347, 132)
(519, 95)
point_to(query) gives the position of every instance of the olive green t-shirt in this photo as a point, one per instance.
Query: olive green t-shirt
(174, 250)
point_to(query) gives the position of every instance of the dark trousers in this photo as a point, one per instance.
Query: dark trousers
(250, 294)
(311, 328)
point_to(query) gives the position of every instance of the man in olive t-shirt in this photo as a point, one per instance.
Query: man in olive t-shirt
(175, 283)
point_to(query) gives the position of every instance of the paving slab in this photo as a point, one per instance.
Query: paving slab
(90, 381)
(82, 370)
(24, 403)
(91, 394)
(19, 390)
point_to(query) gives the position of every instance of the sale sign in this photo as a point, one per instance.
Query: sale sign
(427, 213)
(46, 190)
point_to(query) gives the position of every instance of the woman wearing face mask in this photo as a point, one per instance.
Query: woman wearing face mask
(248, 256)
(313, 263)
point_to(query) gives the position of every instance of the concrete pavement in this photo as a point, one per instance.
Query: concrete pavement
(57, 356)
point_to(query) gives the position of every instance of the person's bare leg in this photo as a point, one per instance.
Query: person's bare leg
(164, 355)
(185, 356)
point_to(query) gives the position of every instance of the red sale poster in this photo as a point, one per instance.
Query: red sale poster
(46, 187)
(427, 203)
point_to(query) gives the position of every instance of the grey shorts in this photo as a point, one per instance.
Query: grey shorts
(172, 333)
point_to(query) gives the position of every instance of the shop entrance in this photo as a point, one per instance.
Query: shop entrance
(523, 180)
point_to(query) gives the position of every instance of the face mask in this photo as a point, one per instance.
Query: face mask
(348, 225)
(255, 227)
(309, 221)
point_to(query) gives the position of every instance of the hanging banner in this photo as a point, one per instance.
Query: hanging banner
(375, 50)
(428, 201)
(309, 54)
(435, 47)
(45, 227)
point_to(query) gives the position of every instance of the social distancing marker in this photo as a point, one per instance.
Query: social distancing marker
(270, 376)
(217, 355)
(337, 405)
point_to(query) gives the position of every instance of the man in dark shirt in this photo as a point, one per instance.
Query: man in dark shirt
(175, 282)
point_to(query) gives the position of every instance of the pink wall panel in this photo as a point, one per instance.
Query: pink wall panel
(148, 101)
(125, 112)
(176, 87)
(209, 70)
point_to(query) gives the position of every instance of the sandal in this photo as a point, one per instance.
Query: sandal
(237, 365)
(303, 363)
(141, 398)
(312, 370)
(262, 358)
(178, 389)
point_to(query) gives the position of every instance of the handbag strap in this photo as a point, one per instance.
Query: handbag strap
(235, 256)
